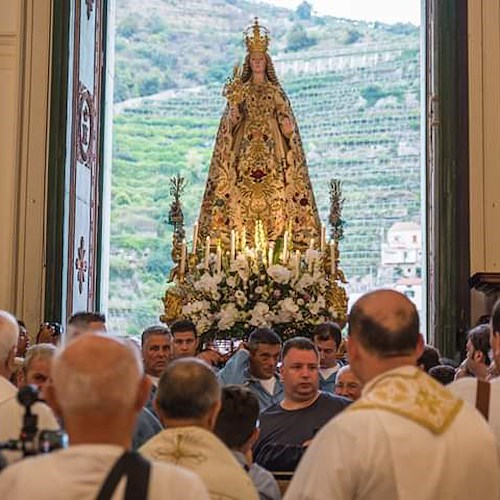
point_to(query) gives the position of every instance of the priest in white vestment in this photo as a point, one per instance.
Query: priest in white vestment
(466, 389)
(407, 437)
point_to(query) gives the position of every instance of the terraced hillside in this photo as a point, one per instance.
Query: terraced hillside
(358, 111)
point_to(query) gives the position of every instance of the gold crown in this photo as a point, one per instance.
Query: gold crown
(256, 37)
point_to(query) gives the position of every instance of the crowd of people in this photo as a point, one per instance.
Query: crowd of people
(168, 418)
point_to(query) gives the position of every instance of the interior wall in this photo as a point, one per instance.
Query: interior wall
(24, 89)
(484, 112)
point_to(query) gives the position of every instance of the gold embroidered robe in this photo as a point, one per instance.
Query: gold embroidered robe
(259, 173)
(406, 438)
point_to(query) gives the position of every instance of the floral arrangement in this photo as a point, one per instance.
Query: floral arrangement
(231, 297)
(228, 293)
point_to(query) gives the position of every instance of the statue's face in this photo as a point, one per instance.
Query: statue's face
(258, 62)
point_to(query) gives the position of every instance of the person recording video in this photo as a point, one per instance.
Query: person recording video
(11, 411)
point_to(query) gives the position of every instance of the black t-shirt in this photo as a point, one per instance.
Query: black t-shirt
(283, 432)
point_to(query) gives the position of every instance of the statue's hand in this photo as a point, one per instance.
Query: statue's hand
(287, 126)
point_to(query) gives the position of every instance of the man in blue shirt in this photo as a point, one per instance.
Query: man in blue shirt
(255, 368)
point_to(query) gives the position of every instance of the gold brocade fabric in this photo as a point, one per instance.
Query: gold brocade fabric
(414, 395)
(257, 172)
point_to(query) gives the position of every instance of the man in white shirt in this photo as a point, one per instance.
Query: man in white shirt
(89, 377)
(407, 437)
(11, 412)
(156, 342)
(327, 338)
(468, 388)
(188, 402)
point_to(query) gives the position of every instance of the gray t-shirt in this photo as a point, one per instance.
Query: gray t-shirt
(283, 432)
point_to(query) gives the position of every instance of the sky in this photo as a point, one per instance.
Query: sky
(387, 11)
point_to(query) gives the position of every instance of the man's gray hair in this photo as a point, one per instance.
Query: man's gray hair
(9, 334)
(104, 378)
(38, 351)
(188, 389)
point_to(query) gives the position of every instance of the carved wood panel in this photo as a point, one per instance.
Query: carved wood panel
(83, 213)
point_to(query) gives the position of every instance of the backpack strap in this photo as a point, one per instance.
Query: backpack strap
(136, 469)
(483, 398)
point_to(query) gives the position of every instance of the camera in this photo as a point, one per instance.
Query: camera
(32, 441)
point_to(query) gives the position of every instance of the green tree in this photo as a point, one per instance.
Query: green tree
(298, 39)
(304, 11)
(352, 37)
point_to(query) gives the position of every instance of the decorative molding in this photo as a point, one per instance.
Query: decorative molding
(86, 123)
(90, 7)
(8, 38)
(81, 265)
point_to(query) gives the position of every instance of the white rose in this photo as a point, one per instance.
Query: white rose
(279, 273)
(260, 315)
(227, 316)
(287, 310)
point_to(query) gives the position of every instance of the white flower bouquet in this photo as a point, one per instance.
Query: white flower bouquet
(227, 297)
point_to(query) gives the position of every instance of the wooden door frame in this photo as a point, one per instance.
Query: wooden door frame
(59, 271)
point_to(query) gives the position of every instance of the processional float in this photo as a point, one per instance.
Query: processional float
(258, 255)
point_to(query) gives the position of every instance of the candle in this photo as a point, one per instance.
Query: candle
(233, 245)
(297, 263)
(323, 238)
(285, 247)
(219, 259)
(243, 239)
(182, 269)
(195, 236)
(311, 244)
(270, 253)
(333, 265)
(207, 252)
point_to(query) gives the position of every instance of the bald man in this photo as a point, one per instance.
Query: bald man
(188, 401)
(11, 412)
(89, 376)
(406, 437)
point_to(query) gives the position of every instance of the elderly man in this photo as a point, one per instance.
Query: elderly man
(256, 368)
(287, 428)
(347, 384)
(36, 367)
(407, 436)
(188, 402)
(11, 412)
(88, 380)
(156, 343)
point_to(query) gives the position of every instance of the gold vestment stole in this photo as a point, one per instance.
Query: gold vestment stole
(414, 395)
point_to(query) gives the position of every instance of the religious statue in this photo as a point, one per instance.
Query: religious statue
(258, 172)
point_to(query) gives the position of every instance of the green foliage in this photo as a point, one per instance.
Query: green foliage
(348, 127)
(298, 39)
(352, 37)
(304, 11)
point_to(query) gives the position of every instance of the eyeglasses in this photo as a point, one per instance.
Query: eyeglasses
(349, 385)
